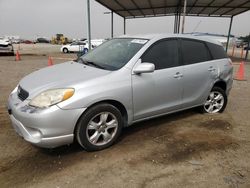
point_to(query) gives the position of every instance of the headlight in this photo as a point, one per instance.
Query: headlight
(51, 97)
(14, 90)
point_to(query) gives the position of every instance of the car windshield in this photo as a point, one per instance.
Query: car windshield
(115, 53)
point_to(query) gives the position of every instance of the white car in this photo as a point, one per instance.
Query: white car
(74, 47)
(81, 46)
(6, 47)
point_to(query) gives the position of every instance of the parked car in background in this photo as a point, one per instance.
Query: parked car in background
(6, 49)
(123, 81)
(27, 42)
(80, 46)
(42, 40)
(4, 41)
(74, 47)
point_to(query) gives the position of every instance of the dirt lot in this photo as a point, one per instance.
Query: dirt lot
(186, 149)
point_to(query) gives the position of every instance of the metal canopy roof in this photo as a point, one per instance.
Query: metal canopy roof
(152, 8)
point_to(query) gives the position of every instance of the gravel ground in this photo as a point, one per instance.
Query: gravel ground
(185, 149)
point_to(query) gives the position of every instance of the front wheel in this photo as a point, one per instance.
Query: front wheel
(216, 101)
(99, 127)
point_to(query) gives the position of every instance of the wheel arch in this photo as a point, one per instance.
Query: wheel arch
(115, 103)
(221, 84)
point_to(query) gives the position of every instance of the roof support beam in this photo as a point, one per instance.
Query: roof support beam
(192, 6)
(165, 4)
(137, 7)
(151, 7)
(124, 9)
(211, 2)
(229, 32)
(160, 7)
(241, 12)
(222, 6)
(241, 5)
(193, 15)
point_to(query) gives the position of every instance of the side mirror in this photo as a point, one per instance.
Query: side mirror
(144, 68)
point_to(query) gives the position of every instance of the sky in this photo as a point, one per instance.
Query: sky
(44, 18)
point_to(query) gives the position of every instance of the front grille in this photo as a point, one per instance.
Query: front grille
(22, 94)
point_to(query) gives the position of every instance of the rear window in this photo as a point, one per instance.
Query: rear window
(194, 51)
(217, 51)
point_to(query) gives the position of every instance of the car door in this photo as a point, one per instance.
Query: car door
(158, 92)
(199, 72)
(74, 47)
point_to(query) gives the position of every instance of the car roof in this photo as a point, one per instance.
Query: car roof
(162, 36)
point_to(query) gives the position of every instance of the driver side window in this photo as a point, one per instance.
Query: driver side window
(163, 54)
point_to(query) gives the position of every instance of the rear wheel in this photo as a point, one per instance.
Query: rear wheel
(99, 127)
(216, 101)
(65, 50)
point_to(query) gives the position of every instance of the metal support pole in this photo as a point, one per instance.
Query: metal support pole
(89, 26)
(124, 26)
(175, 21)
(248, 45)
(112, 24)
(229, 32)
(179, 21)
(184, 15)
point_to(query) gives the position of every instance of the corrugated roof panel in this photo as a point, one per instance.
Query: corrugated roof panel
(158, 3)
(170, 10)
(110, 4)
(208, 10)
(148, 11)
(220, 11)
(171, 2)
(196, 10)
(247, 5)
(143, 3)
(238, 2)
(136, 13)
(127, 3)
(220, 2)
(159, 11)
(237, 11)
(203, 2)
(131, 8)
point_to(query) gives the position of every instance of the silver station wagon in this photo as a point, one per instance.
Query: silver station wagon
(123, 81)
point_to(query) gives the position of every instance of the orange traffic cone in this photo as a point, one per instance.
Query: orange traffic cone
(50, 63)
(240, 75)
(18, 57)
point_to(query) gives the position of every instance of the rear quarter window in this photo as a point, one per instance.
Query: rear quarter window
(194, 51)
(217, 51)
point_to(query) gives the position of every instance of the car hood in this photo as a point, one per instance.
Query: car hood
(58, 76)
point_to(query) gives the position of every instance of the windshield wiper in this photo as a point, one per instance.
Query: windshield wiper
(91, 63)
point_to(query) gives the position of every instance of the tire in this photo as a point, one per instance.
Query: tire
(216, 101)
(65, 50)
(94, 130)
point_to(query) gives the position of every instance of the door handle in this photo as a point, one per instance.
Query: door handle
(211, 69)
(178, 75)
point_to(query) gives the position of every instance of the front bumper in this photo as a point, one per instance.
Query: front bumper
(48, 128)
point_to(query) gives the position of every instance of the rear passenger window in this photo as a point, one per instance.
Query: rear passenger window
(163, 54)
(194, 52)
(217, 51)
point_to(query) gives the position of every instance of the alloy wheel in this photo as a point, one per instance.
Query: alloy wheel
(214, 103)
(102, 128)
